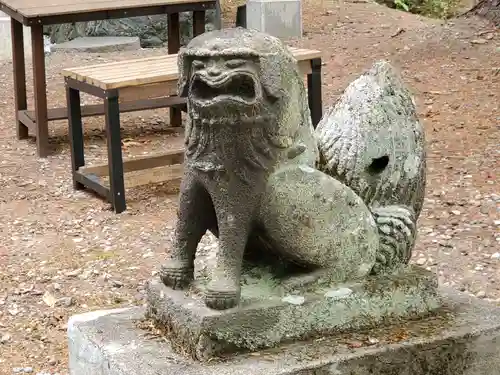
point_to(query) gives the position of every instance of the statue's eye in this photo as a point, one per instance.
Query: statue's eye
(235, 63)
(198, 64)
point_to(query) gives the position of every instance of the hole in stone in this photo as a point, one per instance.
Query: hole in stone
(378, 165)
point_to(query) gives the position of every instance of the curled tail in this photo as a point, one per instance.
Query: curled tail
(397, 231)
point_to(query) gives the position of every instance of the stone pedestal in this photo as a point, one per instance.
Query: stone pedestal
(462, 339)
(100, 44)
(271, 313)
(280, 18)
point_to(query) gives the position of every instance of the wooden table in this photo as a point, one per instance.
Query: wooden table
(36, 13)
(123, 86)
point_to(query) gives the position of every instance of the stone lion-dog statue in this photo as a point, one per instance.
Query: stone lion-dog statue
(253, 171)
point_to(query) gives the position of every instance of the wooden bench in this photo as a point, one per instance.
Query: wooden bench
(136, 85)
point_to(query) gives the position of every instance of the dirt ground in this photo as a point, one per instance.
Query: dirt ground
(64, 252)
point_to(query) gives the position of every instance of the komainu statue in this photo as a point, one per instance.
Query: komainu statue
(341, 201)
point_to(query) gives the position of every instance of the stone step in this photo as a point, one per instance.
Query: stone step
(5, 39)
(99, 44)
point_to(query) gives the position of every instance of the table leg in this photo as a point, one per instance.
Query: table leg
(40, 91)
(19, 66)
(115, 160)
(174, 44)
(314, 91)
(198, 22)
(75, 133)
(241, 16)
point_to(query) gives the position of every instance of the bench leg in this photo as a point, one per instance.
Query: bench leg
(40, 91)
(75, 130)
(314, 91)
(241, 16)
(115, 161)
(19, 66)
(174, 44)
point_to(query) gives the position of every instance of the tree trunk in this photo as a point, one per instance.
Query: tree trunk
(489, 9)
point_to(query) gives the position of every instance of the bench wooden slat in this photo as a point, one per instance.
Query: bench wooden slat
(98, 109)
(148, 71)
(302, 54)
(33, 8)
(139, 163)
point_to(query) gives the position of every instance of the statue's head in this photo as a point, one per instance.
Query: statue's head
(238, 74)
(246, 101)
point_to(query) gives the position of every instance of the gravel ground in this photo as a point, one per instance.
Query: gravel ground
(64, 252)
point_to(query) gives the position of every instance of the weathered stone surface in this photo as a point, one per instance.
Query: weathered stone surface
(248, 118)
(251, 167)
(337, 230)
(272, 311)
(373, 142)
(100, 44)
(280, 18)
(463, 339)
(151, 30)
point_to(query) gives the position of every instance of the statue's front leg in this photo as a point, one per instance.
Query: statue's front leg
(195, 215)
(234, 218)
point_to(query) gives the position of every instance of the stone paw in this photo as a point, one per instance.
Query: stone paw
(220, 297)
(177, 275)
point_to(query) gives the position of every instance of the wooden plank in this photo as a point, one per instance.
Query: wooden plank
(125, 69)
(152, 70)
(156, 90)
(132, 67)
(155, 176)
(36, 8)
(98, 109)
(301, 54)
(139, 163)
(119, 63)
(146, 176)
(127, 73)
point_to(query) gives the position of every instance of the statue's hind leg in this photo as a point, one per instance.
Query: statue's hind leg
(318, 221)
(195, 215)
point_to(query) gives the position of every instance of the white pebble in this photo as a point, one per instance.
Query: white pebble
(294, 300)
(421, 261)
(338, 293)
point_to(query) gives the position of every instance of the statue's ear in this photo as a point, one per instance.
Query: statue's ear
(270, 76)
(184, 65)
(278, 73)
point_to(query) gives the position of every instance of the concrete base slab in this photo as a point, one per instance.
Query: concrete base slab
(463, 339)
(100, 44)
(270, 313)
(280, 18)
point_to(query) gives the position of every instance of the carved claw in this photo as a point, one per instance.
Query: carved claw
(177, 275)
(220, 296)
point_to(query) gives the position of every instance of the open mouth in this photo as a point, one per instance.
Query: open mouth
(235, 87)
